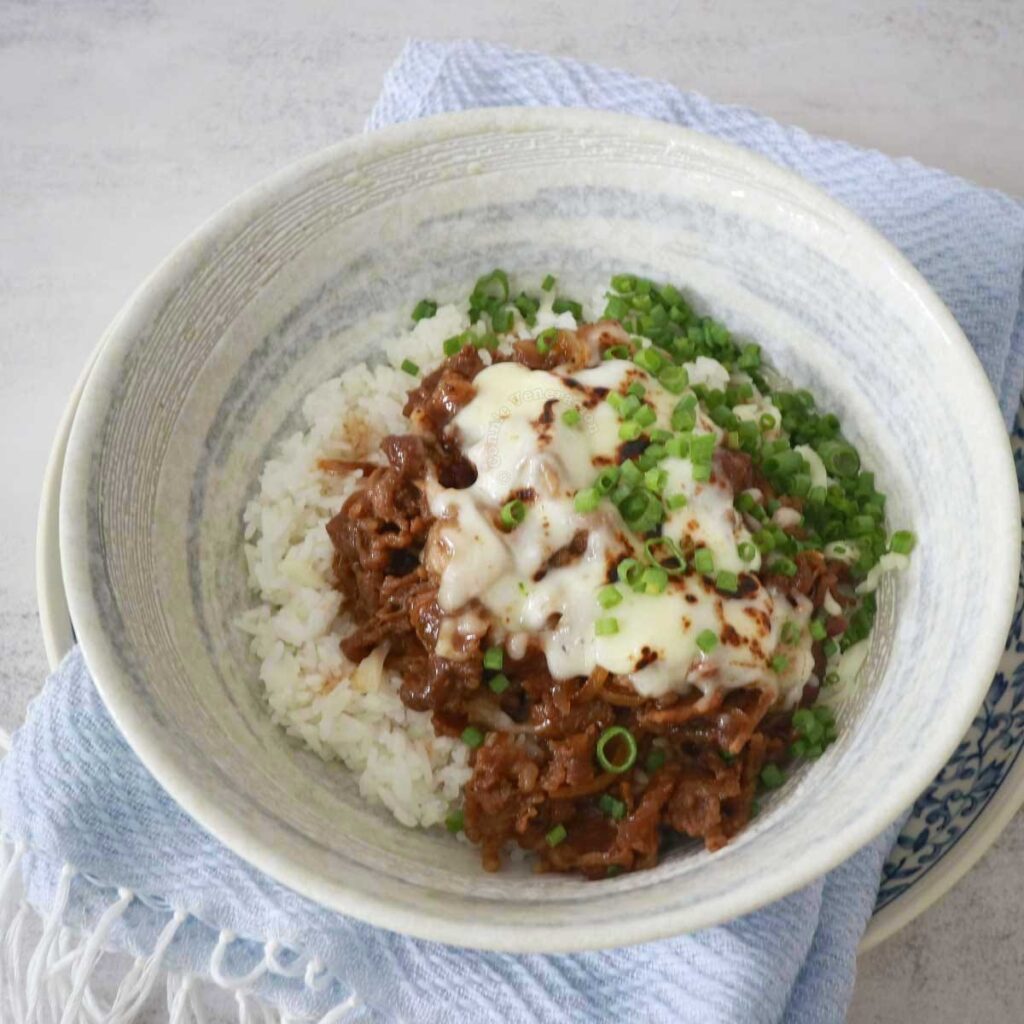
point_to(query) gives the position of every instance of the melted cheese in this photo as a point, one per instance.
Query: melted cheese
(513, 433)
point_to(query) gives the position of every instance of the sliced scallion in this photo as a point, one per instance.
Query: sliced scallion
(556, 835)
(707, 640)
(472, 737)
(610, 735)
(512, 513)
(424, 309)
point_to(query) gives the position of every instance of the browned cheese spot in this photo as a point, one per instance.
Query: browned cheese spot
(647, 657)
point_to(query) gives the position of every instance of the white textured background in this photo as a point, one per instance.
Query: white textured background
(124, 123)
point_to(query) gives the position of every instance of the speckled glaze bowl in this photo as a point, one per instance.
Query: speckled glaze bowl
(204, 371)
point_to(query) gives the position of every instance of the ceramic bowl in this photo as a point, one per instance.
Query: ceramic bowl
(203, 374)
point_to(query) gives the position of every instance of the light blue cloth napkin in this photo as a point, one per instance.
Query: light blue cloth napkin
(72, 792)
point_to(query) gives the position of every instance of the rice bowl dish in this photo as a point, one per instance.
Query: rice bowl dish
(679, 540)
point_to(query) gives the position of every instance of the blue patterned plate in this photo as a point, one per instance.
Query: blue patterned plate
(956, 819)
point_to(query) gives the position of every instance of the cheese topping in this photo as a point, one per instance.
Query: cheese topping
(541, 580)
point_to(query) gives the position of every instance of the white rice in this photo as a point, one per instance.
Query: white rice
(343, 711)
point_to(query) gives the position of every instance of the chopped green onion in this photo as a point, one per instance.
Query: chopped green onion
(641, 510)
(746, 551)
(678, 447)
(649, 360)
(784, 463)
(818, 631)
(831, 678)
(749, 358)
(654, 580)
(628, 406)
(655, 480)
(606, 627)
(568, 306)
(556, 835)
(675, 553)
(783, 566)
(800, 485)
(824, 714)
(499, 683)
(629, 571)
(630, 430)
(424, 309)
(587, 500)
(410, 367)
(548, 283)
(727, 581)
(571, 417)
(652, 455)
(616, 308)
(645, 416)
(779, 663)
(841, 459)
(453, 344)
(772, 776)
(636, 389)
(494, 659)
(676, 501)
(707, 640)
(704, 561)
(830, 648)
(455, 821)
(684, 416)
(702, 472)
(702, 447)
(655, 759)
(527, 306)
(610, 734)
(861, 525)
(543, 340)
(512, 513)
(767, 421)
(491, 286)
(902, 542)
(488, 340)
(790, 633)
(606, 479)
(501, 319)
(472, 737)
(673, 378)
(609, 596)
(615, 809)
(624, 283)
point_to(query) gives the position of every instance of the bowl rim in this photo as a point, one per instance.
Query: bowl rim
(145, 738)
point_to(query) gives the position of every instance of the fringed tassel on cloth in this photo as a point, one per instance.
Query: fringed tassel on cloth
(54, 981)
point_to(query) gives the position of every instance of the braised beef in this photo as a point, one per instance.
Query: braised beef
(698, 758)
